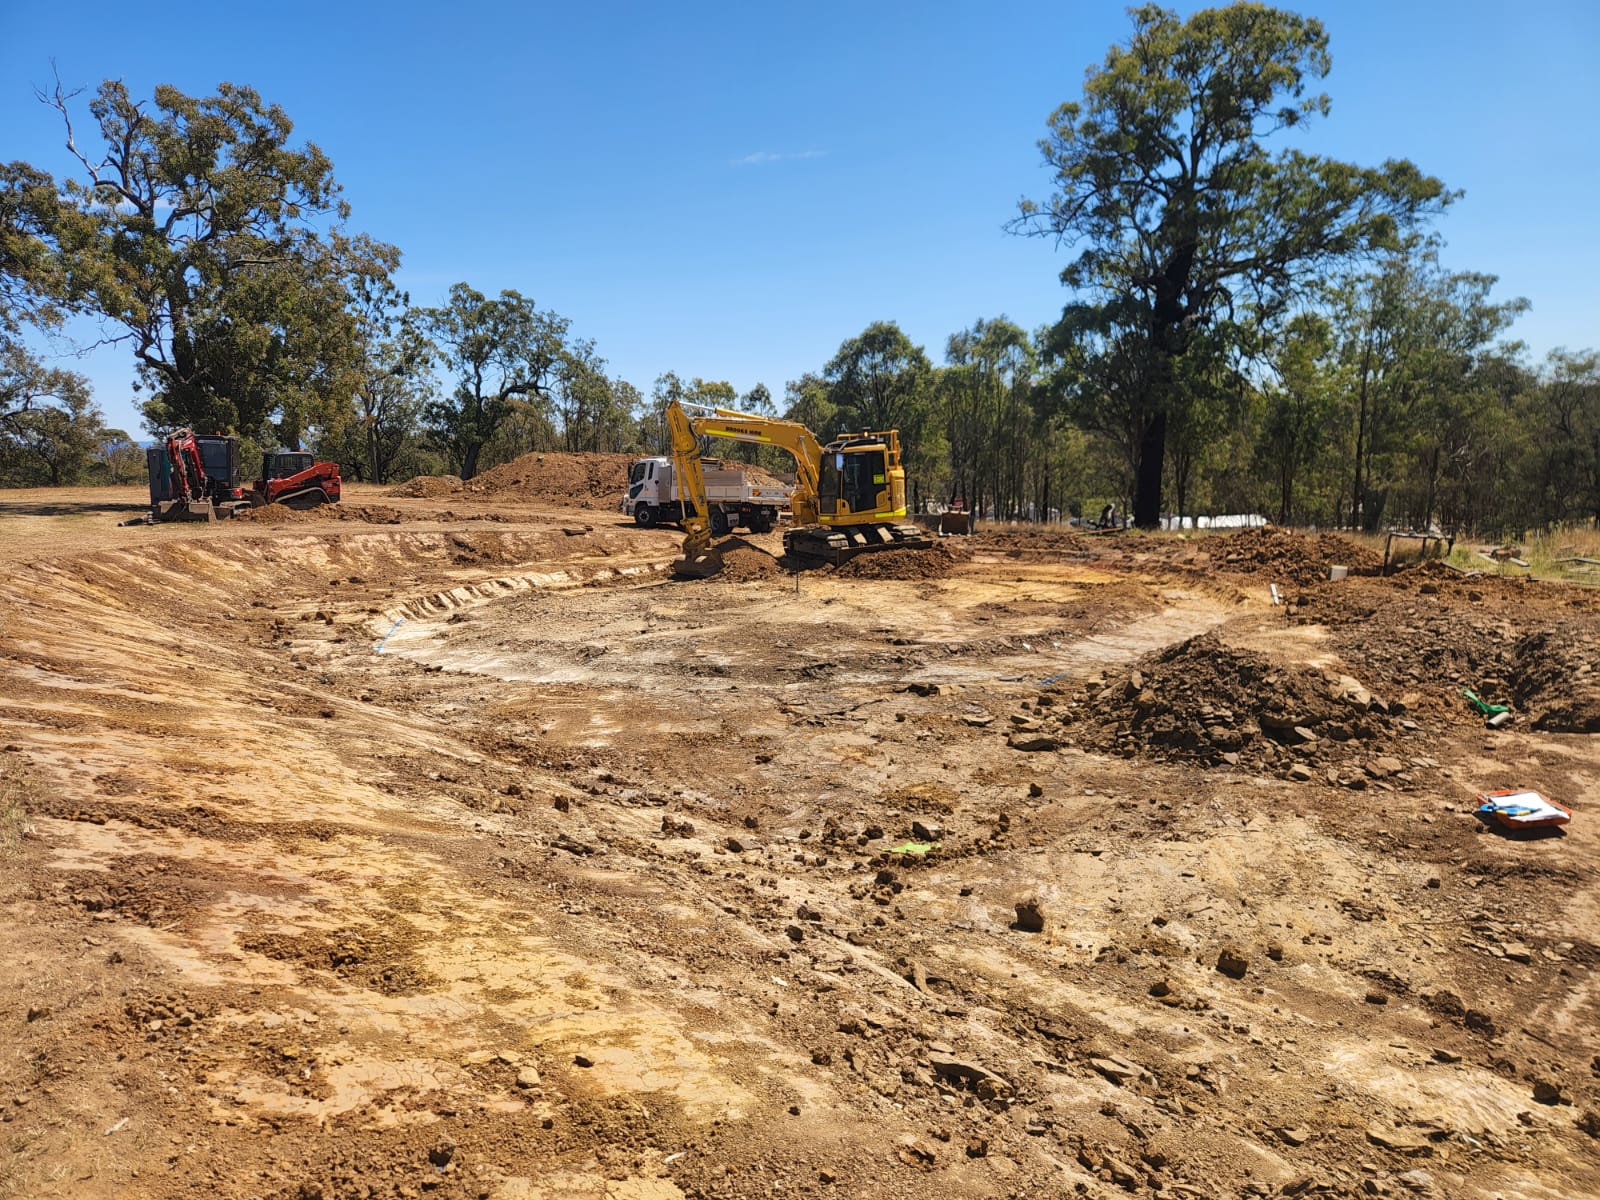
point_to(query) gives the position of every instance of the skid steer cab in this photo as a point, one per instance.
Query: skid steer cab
(295, 479)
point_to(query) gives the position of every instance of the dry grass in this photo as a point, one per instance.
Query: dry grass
(1544, 553)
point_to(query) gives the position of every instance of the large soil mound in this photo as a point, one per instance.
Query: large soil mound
(1301, 557)
(569, 480)
(1201, 701)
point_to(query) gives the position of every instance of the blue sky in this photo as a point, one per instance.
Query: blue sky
(731, 190)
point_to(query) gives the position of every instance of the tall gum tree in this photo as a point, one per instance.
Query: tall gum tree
(1179, 212)
(199, 233)
(503, 351)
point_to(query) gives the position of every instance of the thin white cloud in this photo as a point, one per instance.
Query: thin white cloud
(769, 156)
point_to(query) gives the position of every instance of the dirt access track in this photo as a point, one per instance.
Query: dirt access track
(1040, 865)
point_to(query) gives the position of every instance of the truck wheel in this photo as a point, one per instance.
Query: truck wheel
(720, 526)
(644, 516)
(760, 522)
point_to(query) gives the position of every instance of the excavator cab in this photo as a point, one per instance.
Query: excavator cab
(855, 478)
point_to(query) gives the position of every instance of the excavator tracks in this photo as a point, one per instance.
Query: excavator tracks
(839, 544)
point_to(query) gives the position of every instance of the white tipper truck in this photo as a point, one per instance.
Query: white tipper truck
(735, 498)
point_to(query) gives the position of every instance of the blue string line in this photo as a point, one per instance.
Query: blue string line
(387, 636)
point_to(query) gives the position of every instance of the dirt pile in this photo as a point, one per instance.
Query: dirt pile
(429, 487)
(1285, 554)
(568, 480)
(1430, 632)
(742, 562)
(936, 562)
(1557, 680)
(1434, 641)
(1204, 702)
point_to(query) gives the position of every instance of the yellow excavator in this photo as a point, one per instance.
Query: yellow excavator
(849, 496)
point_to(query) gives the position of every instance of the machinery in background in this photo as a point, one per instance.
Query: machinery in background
(849, 496)
(296, 479)
(196, 477)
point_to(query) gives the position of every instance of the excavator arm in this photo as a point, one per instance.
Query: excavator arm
(791, 436)
(188, 471)
(691, 492)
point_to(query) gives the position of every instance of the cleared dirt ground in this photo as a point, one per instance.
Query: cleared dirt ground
(971, 876)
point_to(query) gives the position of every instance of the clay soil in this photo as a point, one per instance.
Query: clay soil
(449, 846)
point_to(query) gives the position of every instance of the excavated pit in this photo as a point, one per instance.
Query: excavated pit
(592, 882)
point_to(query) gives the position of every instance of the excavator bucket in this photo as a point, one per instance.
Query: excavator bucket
(186, 510)
(700, 565)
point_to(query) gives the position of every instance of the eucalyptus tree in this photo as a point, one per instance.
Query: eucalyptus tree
(809, 401)
(1413, 339)
(989, 416)
(49, 425)
(1166, 188)
(1300, 401)
(503, 352)
(880, 379)
(1565, 415)
(33, 278)
(391, 370)
(195, 228)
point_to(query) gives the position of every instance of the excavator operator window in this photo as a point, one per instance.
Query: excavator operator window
(855, 477)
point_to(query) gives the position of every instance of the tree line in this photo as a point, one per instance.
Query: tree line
(1245, 330)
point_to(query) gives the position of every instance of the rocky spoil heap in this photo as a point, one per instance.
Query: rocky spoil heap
(1207, 703)
(936, 562)
(1444, 632)
(1290, 556)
